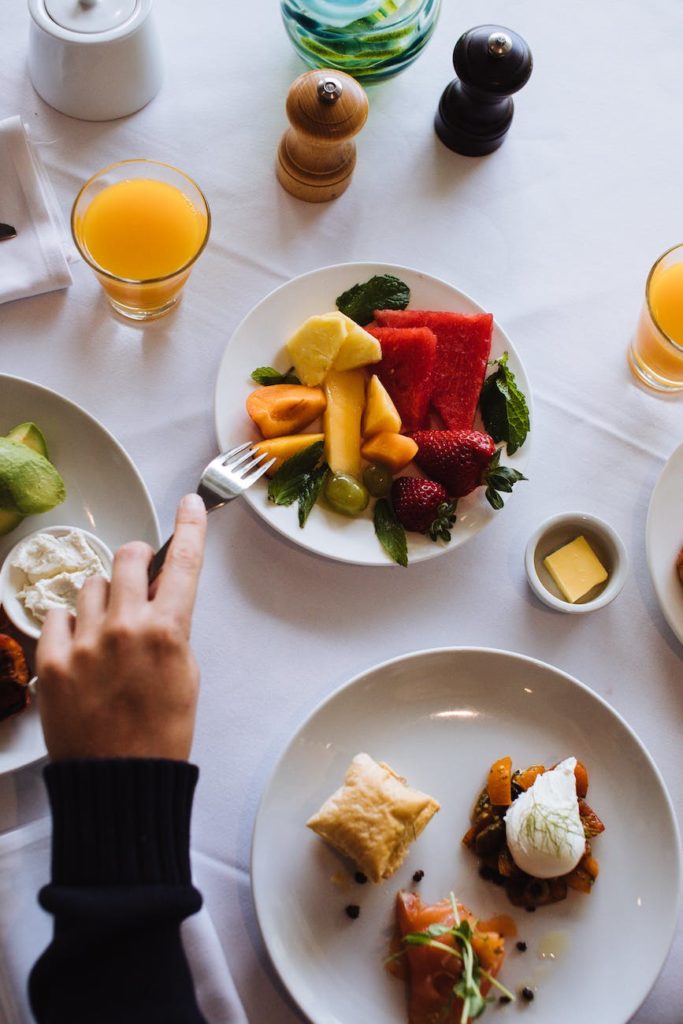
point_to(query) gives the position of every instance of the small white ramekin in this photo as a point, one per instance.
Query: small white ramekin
(560, 529)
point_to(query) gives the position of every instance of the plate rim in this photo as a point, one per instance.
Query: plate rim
(675, 627)
(456, 650)
(376, 266)
(10, 378)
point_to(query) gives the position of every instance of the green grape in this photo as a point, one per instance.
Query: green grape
(378, 480)
(345, 494)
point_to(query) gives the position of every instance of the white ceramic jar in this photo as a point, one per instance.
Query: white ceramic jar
(94, 59)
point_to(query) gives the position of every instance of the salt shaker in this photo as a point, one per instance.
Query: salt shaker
(316, 155)
(476, 109)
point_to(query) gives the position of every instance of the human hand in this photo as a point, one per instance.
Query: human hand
(120, 679)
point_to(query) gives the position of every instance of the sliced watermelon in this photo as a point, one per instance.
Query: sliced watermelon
(463, 346)
(405, 370)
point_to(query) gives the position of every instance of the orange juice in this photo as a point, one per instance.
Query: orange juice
(141, 225)
(656, 355)
(141, 229)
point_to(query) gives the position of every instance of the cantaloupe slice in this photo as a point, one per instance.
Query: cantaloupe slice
(282, 448)
(345, 393)
(390, 449)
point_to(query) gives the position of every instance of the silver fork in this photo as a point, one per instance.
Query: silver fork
(226, 477)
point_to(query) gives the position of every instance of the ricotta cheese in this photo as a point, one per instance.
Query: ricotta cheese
(55, 569)
(543, 827)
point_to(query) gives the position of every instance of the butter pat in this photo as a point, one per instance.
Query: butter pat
(576, 569)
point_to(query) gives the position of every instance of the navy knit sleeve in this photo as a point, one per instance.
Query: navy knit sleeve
(121, 885)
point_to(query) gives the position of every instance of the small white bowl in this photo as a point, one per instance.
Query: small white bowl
(12, 580)
(560, 530)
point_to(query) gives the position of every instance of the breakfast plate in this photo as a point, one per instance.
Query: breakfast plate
(664, 539)
(440, 718)
(98, 474)
(259, 341)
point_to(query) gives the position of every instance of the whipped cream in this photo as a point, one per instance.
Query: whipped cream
(55, 567)
(543, 827)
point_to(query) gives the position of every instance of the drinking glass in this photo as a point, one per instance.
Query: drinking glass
(369, 39)
(656, 352)
(141, 225)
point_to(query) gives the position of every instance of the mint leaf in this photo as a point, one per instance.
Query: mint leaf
(503, 407)
(309, 491)
(390, 532)
(266, 375)
(380, 292)
(285, 485)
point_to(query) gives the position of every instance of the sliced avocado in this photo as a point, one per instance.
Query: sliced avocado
(28, 482)
(9, 521)
(30, 435)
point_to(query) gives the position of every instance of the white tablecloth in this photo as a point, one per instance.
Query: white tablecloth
(555, 233)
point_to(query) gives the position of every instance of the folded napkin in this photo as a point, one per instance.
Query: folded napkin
(25, 931)
(37, 259)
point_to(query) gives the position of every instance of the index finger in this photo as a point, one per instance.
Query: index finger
(177, 585)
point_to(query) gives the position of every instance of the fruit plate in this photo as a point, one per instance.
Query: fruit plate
(440, 718)
(105, 495)
(259, 341)
(664, 539)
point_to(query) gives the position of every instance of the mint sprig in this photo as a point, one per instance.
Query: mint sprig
(503, 407)
(266, 375)
(292, 478)
(468, 985)
(390, 532)
(384, 291)
(311, 486)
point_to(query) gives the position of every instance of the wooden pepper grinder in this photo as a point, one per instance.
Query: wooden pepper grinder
(316, 156)
(476, 109)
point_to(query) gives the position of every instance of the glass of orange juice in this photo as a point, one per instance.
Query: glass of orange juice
(656, 352)
(141, 225)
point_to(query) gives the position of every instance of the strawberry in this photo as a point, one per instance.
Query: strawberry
(463, 460)
(423, 506)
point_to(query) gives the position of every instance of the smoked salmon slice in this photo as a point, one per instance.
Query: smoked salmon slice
(431, 973)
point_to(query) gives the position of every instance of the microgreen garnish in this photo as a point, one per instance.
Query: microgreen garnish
(266, 375)
(468, 985)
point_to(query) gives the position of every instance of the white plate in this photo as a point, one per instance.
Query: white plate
(105, 494)
(440, 718)
(259, 341)
(664, 539)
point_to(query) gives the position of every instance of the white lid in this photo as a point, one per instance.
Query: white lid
(90, 15)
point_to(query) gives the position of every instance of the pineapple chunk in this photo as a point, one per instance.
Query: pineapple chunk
(358, 347)
(345, 393)
(282, 448)
(380, 412)
(314, 347)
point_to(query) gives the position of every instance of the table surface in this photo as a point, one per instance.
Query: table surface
(554, 233)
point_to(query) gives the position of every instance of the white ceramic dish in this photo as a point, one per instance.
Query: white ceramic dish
(560, 529)
(440, 718)
(259, 341)
(13, 580)
(98, 474)
(664, 539)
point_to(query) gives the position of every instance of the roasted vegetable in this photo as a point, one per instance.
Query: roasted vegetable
(14, 677)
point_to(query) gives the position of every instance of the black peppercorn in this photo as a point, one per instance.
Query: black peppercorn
(521, 946)
(418, 876)
(527, 994)
(360, 877)
(353, 910)
(530, 910)
(504, 1000)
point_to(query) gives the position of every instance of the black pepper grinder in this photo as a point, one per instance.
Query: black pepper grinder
(476, 109)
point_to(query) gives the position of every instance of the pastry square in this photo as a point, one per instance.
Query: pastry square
(374, 817)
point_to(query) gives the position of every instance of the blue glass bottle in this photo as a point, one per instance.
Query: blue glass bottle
(369, 39)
